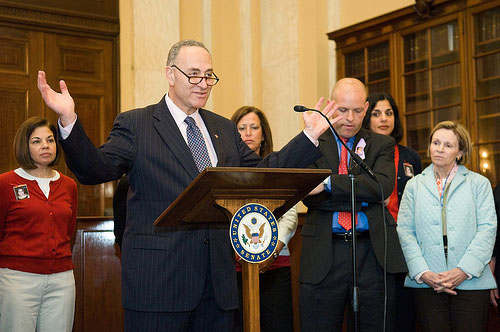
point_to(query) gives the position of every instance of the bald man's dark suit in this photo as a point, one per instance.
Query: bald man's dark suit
(317, 247)
(166, 272)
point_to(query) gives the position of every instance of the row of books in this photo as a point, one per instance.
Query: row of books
(415, 46)
(444, 38)
(355, 64)
(417, 104)
(417, 82)
(378, 58)
(445, 77)
(488, 107)
(488, 66)
(489, 25)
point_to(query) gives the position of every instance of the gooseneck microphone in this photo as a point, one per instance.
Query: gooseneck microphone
(357, 159)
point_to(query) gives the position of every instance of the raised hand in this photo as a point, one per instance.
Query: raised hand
(315, 124)
(61, 103)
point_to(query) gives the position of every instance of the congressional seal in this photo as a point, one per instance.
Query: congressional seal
(254, 233)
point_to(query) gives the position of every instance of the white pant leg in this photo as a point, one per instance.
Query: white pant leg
(57, 310)
(20, 297)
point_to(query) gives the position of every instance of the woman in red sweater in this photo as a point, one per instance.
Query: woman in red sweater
(38, 208)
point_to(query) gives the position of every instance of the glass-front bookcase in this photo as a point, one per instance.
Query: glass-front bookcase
(444, 66)
(486, 66)
(370, 65)
(431, 78)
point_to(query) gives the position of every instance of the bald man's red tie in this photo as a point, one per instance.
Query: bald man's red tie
(344, 217)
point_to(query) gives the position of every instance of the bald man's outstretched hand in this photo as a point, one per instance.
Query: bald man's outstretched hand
(315, 124)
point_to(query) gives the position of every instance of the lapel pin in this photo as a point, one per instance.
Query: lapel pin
(360, 148)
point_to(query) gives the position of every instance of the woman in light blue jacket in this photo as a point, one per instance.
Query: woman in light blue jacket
(447, 226)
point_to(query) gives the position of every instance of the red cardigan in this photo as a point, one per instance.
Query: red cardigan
(35, 233)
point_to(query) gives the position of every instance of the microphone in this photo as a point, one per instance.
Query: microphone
(357, 159)
(300, 109)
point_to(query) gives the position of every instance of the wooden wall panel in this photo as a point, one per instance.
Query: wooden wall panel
(90, 16)
(19, 55)
(13, 56)
(82, 63)
(13, 105)
(86, 65)
(97, 277)
(102, 8)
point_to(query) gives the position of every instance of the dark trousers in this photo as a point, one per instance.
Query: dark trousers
(205, 317)
(322, 306)
(405, 307)
(467, 311)
(276, 313)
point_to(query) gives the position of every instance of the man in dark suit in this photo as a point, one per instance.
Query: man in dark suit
(184, 278)
(326, 261)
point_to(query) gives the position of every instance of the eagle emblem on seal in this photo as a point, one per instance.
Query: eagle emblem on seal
(254, 232)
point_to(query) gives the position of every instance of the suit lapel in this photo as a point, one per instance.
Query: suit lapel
(330, 151)
(362, 134)
(214, 131)
(172, 137)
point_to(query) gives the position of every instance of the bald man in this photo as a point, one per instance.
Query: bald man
(326, 261)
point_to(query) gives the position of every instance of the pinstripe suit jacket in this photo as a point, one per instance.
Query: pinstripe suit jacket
(166, 272)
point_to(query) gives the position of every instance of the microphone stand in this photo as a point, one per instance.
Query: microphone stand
(357, 159)
(355, 288)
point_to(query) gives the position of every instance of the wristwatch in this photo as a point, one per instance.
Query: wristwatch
(275, 255)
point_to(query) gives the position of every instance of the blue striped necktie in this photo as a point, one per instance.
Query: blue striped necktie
(197, 145)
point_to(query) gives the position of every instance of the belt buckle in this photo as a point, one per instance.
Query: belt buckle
(347, 236)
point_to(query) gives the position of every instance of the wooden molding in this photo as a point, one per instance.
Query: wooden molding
(68, 21)
(393, 21)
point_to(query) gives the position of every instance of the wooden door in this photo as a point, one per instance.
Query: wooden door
(86, 65)
(19, 57)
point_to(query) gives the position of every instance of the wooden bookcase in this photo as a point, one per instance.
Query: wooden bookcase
(442, 67)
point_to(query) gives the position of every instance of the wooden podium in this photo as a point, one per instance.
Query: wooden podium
(218, 192)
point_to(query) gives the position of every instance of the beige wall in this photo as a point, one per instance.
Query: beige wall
(272, 54)
(352, 12)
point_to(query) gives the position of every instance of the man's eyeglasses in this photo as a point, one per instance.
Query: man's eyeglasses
(211, 80)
